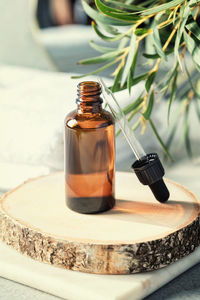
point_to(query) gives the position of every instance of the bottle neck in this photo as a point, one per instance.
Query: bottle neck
(92, 108)
(89, 100)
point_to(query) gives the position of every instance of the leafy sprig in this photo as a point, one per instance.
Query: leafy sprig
(168, 29)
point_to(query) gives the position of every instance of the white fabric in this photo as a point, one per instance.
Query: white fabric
(33, 105)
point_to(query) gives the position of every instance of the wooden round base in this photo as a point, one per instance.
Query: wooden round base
(138, 234)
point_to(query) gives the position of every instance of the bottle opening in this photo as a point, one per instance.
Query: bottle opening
(89, 91)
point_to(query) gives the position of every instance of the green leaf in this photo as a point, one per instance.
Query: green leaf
(174, 125)
(157, 41)
(198, 85)
(102, 58)
(108, 28)
(121, 5)
(116, 81)
(171, 74)
(197, 104)
(123, 42)
(136, 111)
(179, 34)
(103, 7)
(129, 81)
(197, 100)
(194, 28)
(118, 133)
(132, 106)
(162, 7)
(193, 4)
(193, 49)
(175, 16)
(196, 92)
(136, 125)
(94, 14)
(191, 81)
(139, 78)
(186, 132)
(171, 136)
(160, 140)
(132, 71)
(148, 110)
(147, 2)
(128, 18)
(129, 59)
(97, 70)
(101, 48)
(151, 56)
(155, 56)
(173, 93)
(108, 38)
(141, 31)
(134, 82)
(183, 92)
(149, 81)
(149, 47)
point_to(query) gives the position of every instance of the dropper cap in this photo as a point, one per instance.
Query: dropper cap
(150, 171)
(147, 167)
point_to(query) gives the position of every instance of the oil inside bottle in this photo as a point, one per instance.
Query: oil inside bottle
(89, 154)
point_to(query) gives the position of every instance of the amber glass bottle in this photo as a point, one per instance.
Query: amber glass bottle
(89, 153)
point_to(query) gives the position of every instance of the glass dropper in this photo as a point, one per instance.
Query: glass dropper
(148, 167)
(118, 114)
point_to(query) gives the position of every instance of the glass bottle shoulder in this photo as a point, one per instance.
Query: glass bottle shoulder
(74, 120)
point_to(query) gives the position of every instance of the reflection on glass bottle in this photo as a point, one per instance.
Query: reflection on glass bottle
(89, 153)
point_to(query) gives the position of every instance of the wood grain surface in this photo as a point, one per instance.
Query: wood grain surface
(138, 234)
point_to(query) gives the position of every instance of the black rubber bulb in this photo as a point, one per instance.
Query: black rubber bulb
(150, 171)
(160, 191)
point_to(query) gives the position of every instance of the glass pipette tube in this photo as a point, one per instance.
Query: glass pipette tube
(118, 114)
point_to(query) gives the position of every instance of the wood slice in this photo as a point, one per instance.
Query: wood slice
(138, 234)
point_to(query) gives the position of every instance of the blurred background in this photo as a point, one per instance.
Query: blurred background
(65, 33)
(45, 34)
